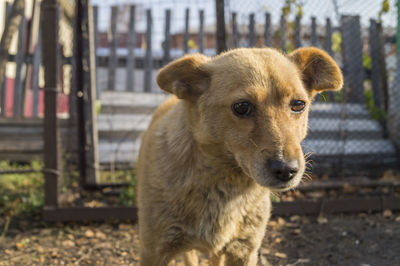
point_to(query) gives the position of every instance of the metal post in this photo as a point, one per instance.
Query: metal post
(201, 31)
(52, 170)
(112, 58)
(221, 35)
(267, 30)
(148, 63)
(314, 34)
(297, 32)
(235, 34)
(186, 33)
(283, 33)
(328, 37)
(252, 38)
(167, 36)
(130, 66)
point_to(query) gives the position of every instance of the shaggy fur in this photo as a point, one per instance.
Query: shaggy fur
(203, 177)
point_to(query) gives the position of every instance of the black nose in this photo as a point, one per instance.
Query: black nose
(283, 171)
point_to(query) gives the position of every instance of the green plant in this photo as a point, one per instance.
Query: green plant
(127, 195)
(375, 112)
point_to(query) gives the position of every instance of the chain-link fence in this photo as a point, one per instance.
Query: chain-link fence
(348, 130)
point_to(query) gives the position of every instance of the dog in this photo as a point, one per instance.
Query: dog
(214, 151)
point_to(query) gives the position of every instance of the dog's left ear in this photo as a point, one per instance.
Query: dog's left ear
(185, 77)
(319, 70)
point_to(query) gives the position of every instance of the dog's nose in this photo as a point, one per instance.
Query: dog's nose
(283, 171)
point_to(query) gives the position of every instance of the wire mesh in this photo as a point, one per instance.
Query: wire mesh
(349, 130)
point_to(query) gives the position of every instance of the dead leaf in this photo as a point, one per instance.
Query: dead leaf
(322, 220)
(387, 213)
(101, 235)
(348, 188)
(68, 243)
(278, 240)
(89, 233)
(280, 255)
(294, 218)
(264, 251)
(281, 221)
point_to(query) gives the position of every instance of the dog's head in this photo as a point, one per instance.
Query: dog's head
(251, 106)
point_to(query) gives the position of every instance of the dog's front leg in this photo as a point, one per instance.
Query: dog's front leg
(241, 252)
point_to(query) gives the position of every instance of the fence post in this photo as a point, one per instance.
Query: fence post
(130, 65)
(201, 32)
(393, 121)
(328, 37)
(36, 65)
(18, 105)
(220, 33)
(52, 168)
(96, 45)
(148, 63)
(252, 38)
(235, 34)
(167, 37)
(314, 34)
(352, 59)
(4, 82)
(282, 36)
(86, 84)
(378, 70)
(297, 32)
(112, 57)
(186, 33)
(267, 30)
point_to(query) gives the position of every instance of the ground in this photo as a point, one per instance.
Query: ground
(356, 239)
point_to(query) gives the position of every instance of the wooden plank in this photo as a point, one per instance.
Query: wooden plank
(252, 37)
(282, 36)
(130, 65)
(37, 56)
(348, 205)
(314, 34)
(113, 60)
(201, 31)
(267, 30)
(328, 37)
(352, 59)
(235, 33)
(18, 104)
(167, 38)
(96, 45)
(3, 111)
(220, 32)
(186, 33)
(89, 214)
(53, 173)
(148, 63)
(297, 32)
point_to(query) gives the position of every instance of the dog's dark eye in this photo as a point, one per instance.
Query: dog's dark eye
(242, 109)
(297, 106)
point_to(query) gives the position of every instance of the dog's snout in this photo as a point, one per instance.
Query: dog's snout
(283, 171)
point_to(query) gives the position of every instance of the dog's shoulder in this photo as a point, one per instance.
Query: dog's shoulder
(164, 108)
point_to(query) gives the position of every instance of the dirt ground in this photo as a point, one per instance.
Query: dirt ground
(357, 239)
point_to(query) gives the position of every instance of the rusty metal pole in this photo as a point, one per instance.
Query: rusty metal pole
(50, 53)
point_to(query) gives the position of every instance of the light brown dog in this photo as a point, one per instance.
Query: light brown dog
(213, 153)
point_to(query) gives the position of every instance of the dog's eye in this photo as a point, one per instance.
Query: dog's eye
(242, 109)
(297, 106)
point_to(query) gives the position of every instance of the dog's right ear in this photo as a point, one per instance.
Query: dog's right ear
(185, 77)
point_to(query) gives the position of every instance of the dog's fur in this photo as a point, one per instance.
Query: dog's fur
(203, 176)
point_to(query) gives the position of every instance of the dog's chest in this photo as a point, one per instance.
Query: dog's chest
(227, 213)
